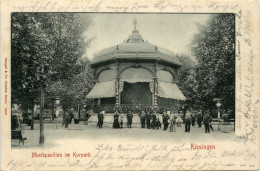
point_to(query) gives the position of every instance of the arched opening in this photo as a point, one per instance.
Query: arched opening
(136, 89)
(136, 75)
(136, 94)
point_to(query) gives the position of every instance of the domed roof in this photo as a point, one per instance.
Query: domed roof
(135, 48)
(135, 36)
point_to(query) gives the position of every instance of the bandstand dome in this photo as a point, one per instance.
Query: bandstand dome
(136, 48)
(135, 73)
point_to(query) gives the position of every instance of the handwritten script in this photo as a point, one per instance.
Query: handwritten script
(142, 157)
(247, 108)
(98, 6)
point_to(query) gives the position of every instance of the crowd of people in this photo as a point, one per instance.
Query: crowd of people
(151, 120)
(171, 119)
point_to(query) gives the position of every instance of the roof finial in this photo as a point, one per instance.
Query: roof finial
(135, 22)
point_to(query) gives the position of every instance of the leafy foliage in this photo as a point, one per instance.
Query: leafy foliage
(73, 91)
(187, 76)
(46, 49)
(214, 75)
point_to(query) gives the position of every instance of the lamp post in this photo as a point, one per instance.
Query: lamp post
(79, 106)
(57, 102)
(218, 106)
(41, 117)
(53, 108)
(183, 111)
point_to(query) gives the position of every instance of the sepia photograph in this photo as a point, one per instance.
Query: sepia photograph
(105, 76)
(136, 85)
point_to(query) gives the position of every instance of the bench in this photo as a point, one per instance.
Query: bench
(46, 117)
(18, 135)
(76, 121)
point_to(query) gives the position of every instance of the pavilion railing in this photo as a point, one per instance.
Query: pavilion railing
(134, 108)
(108, 108)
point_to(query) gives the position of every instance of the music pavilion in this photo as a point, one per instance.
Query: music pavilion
(135, 75)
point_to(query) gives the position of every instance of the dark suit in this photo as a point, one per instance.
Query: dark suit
(100, 120)
(129, 117)
(148, 120)
(207, 119)
(165, 121)
(199, 119)
(142, 119)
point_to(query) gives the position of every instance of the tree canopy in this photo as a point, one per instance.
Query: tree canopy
(214, 74)
(46, 49)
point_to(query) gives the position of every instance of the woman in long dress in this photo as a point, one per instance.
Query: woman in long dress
(172, 121)
(179, 121)
(158, 122)
(153, 124)
(116, 123)
(122, 119)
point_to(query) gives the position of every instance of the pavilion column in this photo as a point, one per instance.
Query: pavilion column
(155, 94)
(151, 86)
(176, 80)
(119, 89)
(117, 94)
(94, 102)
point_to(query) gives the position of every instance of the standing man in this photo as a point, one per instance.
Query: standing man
(148, 120)
(142, 119)
(129, 117)
(66, 119)
(187, 121)
(165, 120)
(207, 119)
(193, 119)
(71, 114)
(199, 118)
(210, 120)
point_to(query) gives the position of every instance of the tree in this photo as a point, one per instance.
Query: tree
(214, 48)
(73, 91)
(45, 49)
(28, 59)
(186, 75)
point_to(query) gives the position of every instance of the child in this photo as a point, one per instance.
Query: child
(179, 120)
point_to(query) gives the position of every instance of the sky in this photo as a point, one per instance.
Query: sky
(170, 31)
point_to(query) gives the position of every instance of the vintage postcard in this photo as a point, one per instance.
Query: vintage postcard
(129, 85)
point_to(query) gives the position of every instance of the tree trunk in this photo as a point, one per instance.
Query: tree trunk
(32, 122)
(27, 112)
(41, 118)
